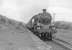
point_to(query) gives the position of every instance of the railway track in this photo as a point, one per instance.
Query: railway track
(59, 44)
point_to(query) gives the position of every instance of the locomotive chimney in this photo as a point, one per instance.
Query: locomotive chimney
(44, 10)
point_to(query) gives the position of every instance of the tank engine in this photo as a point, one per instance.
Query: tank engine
(42, 26)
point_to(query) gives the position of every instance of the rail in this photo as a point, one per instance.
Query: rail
(63, 43)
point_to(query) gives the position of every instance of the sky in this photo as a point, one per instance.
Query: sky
(23, 10)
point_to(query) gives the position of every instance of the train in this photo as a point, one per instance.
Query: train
(41, 25)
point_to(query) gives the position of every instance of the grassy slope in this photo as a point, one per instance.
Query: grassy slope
(63, 25)
(15, 34)
(64, 30)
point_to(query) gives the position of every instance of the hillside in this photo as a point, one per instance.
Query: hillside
(10, 23)
(63, 25)
(14, 35)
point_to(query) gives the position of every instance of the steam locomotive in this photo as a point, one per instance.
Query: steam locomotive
(41, 25)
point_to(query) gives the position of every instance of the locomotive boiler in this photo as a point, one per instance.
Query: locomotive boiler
(41, 25)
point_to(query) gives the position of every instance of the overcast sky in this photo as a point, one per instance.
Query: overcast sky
(23, 10)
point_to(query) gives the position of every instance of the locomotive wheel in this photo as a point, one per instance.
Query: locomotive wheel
(46, 36)
(49, 36)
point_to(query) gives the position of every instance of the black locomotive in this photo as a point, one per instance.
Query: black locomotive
(41, 25)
